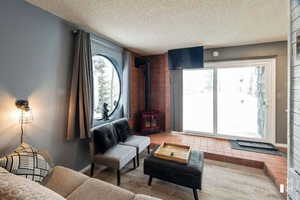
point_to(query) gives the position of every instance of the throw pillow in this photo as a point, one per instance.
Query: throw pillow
(24, 147)
(26, 161)
(122, 129)
(16, 187)
(104, 138)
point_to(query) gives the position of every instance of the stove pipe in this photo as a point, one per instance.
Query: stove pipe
(147, 74)
(145, 64)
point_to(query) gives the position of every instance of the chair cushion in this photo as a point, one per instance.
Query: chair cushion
(116, 157)
(26, 161)
(94, 189)
(17, 187)
(140, 142)
(104, 138)
(122, 129)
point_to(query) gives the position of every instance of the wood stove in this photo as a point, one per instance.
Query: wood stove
(149, 119)
(150, 122)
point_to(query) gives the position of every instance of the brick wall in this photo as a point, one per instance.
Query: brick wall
(137, 94)
(167, 96)
(160, 91)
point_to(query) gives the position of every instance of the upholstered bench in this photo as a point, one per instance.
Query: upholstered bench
(105, 149)
(188, 175)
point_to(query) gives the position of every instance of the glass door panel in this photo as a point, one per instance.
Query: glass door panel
(198, 100)
(241, 102)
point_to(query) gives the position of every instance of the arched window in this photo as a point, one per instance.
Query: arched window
(106, 86)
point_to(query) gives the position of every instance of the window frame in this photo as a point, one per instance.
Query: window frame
(120, 85)
(214, 65)
(113, 52)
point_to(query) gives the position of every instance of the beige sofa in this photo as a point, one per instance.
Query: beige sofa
(73, 185)
(62, 183)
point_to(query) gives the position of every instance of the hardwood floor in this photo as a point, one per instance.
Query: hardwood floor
(220, 150)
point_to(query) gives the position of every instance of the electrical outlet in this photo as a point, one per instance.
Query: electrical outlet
(281, 188)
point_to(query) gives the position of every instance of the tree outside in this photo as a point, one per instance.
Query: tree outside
(106, 85)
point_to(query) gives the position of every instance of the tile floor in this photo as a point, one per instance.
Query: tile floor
(219, 149)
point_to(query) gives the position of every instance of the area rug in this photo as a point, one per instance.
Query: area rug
(221, 181)
(235, 145)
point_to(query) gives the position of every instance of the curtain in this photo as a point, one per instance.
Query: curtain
(261, 97)
(176, 82)
(126, 83)
(80, 114)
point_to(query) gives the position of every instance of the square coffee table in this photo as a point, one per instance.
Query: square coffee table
(188, 175)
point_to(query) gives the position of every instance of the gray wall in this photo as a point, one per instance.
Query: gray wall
(278, 49)
(35, 63)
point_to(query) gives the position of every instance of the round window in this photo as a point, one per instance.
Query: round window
(106, 86)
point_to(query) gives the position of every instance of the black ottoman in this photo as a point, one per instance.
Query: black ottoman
(188, 175)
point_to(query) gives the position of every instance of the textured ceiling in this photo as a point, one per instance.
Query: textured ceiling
(154, 26)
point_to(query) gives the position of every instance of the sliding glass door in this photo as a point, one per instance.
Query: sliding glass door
(198, 100)
(241, 107)
(232, 99)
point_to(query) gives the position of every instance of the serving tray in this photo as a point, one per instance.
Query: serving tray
(175, 152)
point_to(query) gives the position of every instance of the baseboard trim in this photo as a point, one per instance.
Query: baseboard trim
(280, 145)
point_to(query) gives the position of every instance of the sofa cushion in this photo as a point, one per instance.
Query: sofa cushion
(95, 189)
(26, 161)
(64, 180)
(17, 187)
(104, 138)
(122, 129)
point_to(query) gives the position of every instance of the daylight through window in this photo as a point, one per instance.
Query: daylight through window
(106, 85)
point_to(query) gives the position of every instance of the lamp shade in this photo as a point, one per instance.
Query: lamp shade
(26, 117)
(25, 114)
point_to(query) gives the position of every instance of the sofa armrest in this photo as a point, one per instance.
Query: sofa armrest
(94, 189)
